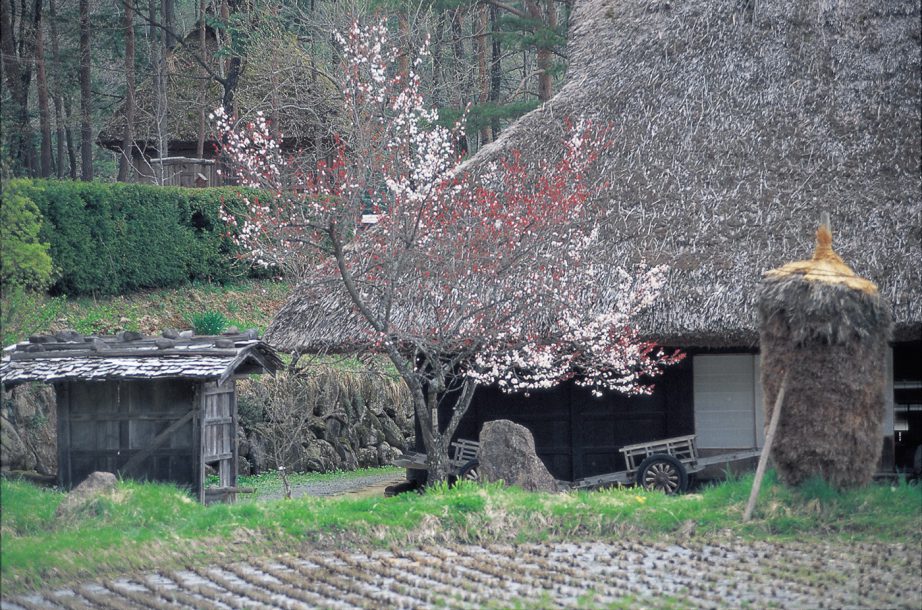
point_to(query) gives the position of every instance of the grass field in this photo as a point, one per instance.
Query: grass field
(152, 526)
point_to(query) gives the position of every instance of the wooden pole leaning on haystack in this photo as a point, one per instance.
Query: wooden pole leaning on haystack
(827, 328)
(766, 450)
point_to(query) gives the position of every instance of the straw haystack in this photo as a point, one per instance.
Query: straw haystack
(827, 329)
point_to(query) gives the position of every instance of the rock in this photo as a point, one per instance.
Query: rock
(507, 453)
(100, 346)
(164, 343)
(387, 454)
(186, 334)
(243, 443)
(393, 435)
(14, 455)
(319, 456)
(231, 330)
(94, 486)
(69, 336)
(170, 333)
(130, 335)
(243, 466)
(367, 457)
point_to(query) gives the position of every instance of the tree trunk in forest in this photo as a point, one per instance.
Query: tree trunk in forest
(460, 65)
(496, 69)
(544, 54)
(60, 163)
(158, 77)
(69, 136)
(483, 25)
(437, 59)
(41, 82)
(16, 61)
(86, 100)
(202, 124)
(169, 18)
(124, 162)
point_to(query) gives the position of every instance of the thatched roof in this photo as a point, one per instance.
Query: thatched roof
(276, 79)
(734, 125)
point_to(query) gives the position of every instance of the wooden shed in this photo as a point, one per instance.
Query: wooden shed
(147, 408)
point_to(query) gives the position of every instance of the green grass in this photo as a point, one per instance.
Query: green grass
(247, 304)
(153, 525)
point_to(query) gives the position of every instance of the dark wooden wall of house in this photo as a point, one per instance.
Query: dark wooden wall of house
(102, 425)
(578, 435)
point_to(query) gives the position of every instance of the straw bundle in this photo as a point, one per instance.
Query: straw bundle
(828, 329)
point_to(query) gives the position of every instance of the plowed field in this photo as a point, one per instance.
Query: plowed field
(589, 575)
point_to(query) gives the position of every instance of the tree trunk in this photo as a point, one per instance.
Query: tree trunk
(124, 162)
(18, 79)
(69, 135)
(202, 125)
(57, 96)
(158, 77)
(86, 100)
(483, 12)
(460, 64)
(544, 55)
(496, 73)
(44, 111)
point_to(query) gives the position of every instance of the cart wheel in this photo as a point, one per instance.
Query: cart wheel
(470, 471)
(664, 473)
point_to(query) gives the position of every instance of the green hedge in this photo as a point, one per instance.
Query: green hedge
(115, 238)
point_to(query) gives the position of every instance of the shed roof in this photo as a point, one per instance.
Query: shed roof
(733, 126)
(70, 356)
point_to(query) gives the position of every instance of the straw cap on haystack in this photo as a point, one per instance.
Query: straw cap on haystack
(826, 328)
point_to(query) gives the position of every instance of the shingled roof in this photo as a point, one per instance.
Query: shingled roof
(69, 356)
(734, 124)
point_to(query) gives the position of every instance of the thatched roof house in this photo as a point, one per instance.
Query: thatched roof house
(734, 125)
(277, 79)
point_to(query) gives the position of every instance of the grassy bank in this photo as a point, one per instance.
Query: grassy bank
(247, 304)
(147, 526)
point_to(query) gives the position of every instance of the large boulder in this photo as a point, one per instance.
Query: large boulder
(507, 453)
(83, 495)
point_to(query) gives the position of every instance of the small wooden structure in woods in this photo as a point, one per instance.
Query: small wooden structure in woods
(146, 408)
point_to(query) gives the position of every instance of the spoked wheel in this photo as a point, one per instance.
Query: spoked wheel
(663, 473)
(470, 471)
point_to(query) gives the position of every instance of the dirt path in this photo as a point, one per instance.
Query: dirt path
(352, 486)
(589, 575)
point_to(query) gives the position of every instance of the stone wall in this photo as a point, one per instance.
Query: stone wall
(322, 419)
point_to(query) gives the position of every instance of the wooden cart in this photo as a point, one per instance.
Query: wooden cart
(662, 465)
(463, 457)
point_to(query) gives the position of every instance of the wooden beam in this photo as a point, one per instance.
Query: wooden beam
(161, 438)
(763, 459)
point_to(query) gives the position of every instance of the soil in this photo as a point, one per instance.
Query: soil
(587, 575)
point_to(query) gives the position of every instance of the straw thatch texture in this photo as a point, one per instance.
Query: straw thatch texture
(734, 124)
(828, 333)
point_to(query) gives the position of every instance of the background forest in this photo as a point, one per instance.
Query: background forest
(85, 81)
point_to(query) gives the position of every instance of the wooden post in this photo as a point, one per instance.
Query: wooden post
(763, 459)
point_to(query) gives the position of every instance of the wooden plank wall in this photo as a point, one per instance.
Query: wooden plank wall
(104, 424)
(219, 430)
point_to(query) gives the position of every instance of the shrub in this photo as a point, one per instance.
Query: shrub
(23, 312)
(25, 259)
(208, 323)
(115, 238)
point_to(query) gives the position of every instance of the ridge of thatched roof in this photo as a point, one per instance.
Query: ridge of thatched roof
(733, 126)
(279, 77)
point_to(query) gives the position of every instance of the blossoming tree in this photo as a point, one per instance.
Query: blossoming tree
(462, 280)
